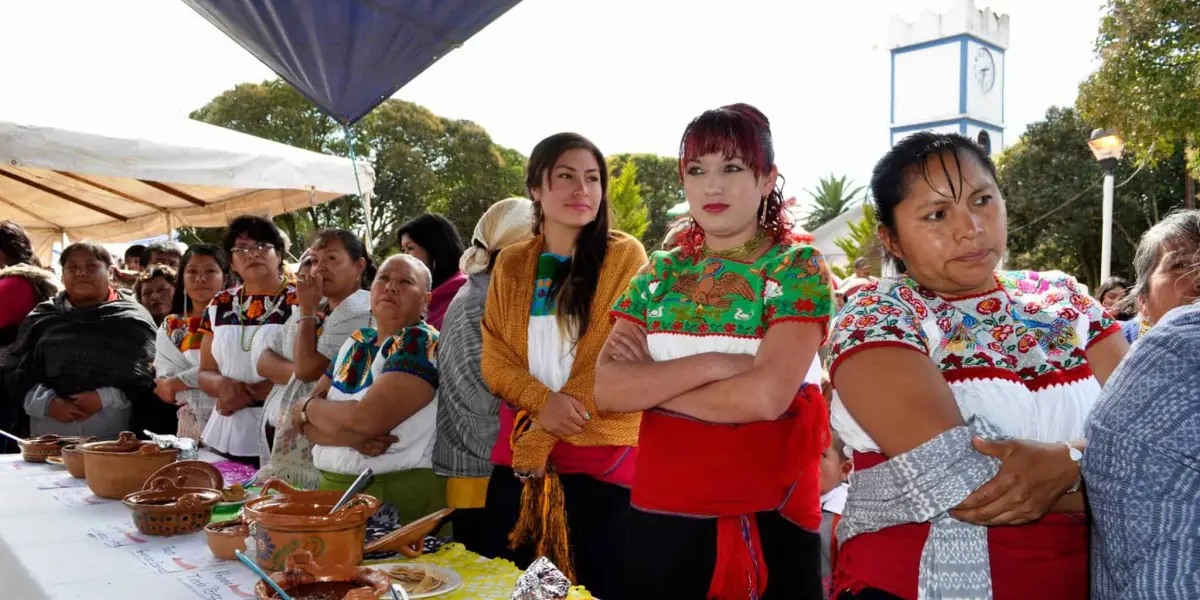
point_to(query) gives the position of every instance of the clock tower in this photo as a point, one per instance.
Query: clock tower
(948, 74)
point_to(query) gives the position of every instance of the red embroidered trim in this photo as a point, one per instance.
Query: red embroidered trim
(1036, 384)
(613, 315)
(851, 352)
(1112, 329)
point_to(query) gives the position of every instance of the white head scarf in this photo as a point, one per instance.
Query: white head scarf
(505, 223)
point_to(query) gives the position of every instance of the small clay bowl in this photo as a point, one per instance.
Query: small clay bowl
(304, 578)
(73, 458)
(37, 450)
(169, 510)
(225, 537)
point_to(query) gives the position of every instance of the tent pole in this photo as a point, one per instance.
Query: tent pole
(366, 198)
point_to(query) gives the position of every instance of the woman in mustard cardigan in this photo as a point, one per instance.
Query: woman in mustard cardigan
(545, 321)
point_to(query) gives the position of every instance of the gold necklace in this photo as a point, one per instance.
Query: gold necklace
(743, 252)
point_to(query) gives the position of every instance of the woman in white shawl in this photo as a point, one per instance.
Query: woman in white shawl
(333, 305)
(202, 274)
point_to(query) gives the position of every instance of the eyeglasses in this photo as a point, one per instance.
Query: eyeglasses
(261, 248)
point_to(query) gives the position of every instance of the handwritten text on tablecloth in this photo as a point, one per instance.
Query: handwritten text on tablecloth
(79, 497)
(191, 553)
(230, 583)
(55, 481)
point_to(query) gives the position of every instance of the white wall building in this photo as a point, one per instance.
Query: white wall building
(948, 74)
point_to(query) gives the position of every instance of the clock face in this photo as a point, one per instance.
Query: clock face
(985, 69)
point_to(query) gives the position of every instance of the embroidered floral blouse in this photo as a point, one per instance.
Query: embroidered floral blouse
(1015, 354)
(361, 359)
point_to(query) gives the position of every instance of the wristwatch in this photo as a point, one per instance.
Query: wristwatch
(1077, 458)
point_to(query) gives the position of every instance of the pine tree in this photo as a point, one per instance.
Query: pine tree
(629, 210)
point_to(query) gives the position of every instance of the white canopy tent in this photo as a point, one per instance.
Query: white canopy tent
(65, 176)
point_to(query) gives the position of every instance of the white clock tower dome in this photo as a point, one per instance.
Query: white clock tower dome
(948, 74)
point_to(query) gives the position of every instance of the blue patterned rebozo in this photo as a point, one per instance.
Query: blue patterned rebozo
(1142, 468)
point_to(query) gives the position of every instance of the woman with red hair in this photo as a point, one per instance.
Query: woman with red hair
(706, 341)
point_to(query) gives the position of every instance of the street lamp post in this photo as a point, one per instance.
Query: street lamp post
(1107, 145)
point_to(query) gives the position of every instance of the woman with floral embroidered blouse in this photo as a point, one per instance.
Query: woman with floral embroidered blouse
(177, 350)
(707, 340)
(375, 406)
(963, 393)
(237, 329)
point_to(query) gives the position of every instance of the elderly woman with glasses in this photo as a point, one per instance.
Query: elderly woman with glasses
(237, 329)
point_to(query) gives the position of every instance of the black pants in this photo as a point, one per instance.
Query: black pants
(597, 516)
(670, 556)
(470, 528)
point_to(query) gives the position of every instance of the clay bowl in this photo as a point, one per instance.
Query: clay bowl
(37, 450)
(305, 579)
(410, 539)
(225, 537)
(169, 510)
(73, 458)
(117, 469)
(295, 520)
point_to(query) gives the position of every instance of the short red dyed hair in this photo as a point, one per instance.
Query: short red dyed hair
(735, 131)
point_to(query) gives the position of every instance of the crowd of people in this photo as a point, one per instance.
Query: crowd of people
(661, 426)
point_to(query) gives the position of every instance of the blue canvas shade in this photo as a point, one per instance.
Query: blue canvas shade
(347, 56)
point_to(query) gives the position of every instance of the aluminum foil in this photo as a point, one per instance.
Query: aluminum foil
(542, 581)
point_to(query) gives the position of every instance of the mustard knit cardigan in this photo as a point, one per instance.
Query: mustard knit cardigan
(505, 361)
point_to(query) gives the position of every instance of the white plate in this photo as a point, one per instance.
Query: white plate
(453, 582)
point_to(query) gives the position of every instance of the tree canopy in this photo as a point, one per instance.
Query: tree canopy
(423, 162)
(629, 211)
(1148, 83)
(1052, 188)
(658, 178)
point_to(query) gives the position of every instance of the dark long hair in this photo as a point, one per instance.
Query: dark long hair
(178, 304)
(354, 247)
(438, 237)
(574, 298)
(15, 244)
(916, 155)
(742, 131)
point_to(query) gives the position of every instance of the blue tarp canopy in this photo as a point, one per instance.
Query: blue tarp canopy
(347, 56)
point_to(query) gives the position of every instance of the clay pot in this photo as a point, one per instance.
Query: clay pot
(410, 539)
(37, 450)
(117, 469)
(73, 459)
(304, 577)
(225, 537)
(168, 510)
(295, 520)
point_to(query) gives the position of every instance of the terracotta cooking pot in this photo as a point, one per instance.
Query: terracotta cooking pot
(38, 449)
(225, 537)
(165, 509)
(117, 469)
(296, 520)
(305, 578)
(73, 458)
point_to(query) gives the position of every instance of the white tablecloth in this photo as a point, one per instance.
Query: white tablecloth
(46, 553)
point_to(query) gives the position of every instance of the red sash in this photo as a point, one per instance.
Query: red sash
(690, 467)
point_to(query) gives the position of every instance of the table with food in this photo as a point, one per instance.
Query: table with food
(132, 519)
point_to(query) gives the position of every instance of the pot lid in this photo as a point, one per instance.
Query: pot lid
(189, 474)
